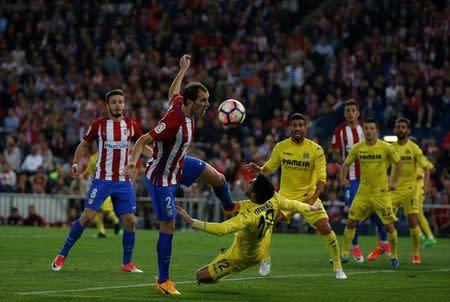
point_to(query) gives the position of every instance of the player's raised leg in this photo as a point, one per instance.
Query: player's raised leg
(196, 170)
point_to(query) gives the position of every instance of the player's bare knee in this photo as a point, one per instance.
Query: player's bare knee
(351, 224)
(129, 222)
(87, 217)
(325, 229)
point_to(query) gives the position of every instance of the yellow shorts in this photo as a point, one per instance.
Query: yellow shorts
(234, 261)
(420, 199)
(408, 200)
(107, 205)
(364, 205)
(310, 217)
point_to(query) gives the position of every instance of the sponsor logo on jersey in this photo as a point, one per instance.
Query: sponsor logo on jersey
(297, 163)
(370, 156)
(116, 145)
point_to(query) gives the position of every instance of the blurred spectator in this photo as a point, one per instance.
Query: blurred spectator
(32, 161)
(33, 218)
(7, 178)
(441, 217)
(12, 154)
(39, 181)
(334, 210)
(14, 217)
(23, 184)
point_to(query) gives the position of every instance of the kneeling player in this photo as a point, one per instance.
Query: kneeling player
(252, 226)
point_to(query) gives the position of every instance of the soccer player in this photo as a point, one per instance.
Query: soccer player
(345, 136)
(171, 138)
(303, 177)
(375, 156)
(113, 134)
(423, 185)
(251, 226)
(107, 208)
(406, 192)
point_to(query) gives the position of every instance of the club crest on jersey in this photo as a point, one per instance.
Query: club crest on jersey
(160, 128)
(306, 155)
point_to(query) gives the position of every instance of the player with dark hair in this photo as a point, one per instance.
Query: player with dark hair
(345, 136)
(375, 157)
(171, 139)
(303, 177)
(406, 192)
(113, 135)
(252, 227)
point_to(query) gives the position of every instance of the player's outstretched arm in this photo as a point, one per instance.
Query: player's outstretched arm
(185, 62)
(79, 152)
(229, 226)
(136, 153)
(184, 215)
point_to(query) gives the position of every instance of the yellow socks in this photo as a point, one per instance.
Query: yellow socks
(348, 237)
(415, 235)
(392, 237)
(99, 223)
(424, 225)
(333, 248)
(113, 218)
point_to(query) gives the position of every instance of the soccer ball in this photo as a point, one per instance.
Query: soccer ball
(231, 113)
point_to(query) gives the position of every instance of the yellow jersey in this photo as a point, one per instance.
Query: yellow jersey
(251, 224)
(302, 166)
(374, 161)
(412, 157)
(421, 176)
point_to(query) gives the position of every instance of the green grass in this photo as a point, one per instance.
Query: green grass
(300, 270)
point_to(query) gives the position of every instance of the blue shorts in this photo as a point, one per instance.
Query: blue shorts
(351, 191)
(192, 169)
(121, 193)
(162, 201)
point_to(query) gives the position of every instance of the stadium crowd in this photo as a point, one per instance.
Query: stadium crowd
(58, 59)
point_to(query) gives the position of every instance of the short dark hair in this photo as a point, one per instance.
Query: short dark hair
(297, 116)
(190, 91)
(263, 189)
(404, 120)
(352, 102)
(113, 92)
(371, 120)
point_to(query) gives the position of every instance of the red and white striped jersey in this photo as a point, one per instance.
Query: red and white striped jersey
(344, 138)
(113, 146)
(172, 136)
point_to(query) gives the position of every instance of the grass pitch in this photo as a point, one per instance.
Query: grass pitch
(300, 270)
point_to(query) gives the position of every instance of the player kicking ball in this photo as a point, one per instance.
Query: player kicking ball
(252, 226)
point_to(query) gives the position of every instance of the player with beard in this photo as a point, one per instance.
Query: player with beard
(406, 192)
(171, 139)
(303, 177)
(113, 135)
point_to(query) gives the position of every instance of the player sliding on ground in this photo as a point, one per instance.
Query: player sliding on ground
(252, 225)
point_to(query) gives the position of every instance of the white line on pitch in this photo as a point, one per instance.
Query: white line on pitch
(227, 280)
